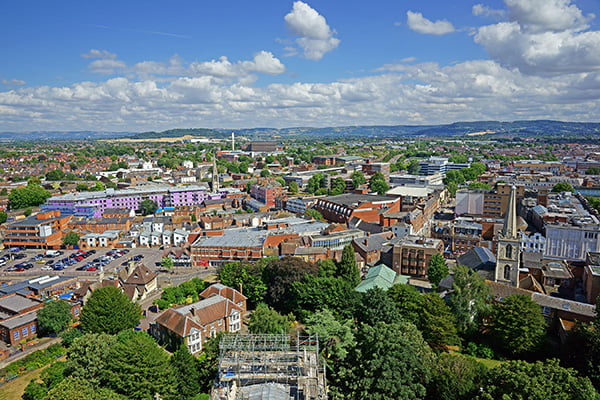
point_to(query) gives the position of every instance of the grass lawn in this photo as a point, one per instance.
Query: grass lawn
(489, 364)
(14, 389)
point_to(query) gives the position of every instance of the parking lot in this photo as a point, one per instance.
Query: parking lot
(76, 262)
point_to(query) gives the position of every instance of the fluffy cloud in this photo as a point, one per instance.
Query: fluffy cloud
(316, 37)
(543, 37)
(13, 82)
(395, 94)
(483, 10)
(420, 24)
(106, 62)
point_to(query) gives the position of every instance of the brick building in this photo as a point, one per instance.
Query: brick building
(41, 231)
(411, 256)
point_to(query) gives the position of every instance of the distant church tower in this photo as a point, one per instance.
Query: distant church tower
(508, 255)
(215, 176)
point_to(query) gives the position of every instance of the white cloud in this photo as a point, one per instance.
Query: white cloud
(397, 94)
(543, 37)
(547, 15)
(483, 10)
(94, 53)
(316, 37)
(420, 24)
(13, 82)
(264, 62)
(106, 62)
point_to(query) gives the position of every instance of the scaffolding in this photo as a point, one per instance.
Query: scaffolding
(270, 367)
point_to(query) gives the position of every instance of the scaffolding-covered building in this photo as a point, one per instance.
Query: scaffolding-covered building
(269, 367)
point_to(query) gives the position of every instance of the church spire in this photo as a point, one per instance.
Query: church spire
(215, 176)
(509, 230)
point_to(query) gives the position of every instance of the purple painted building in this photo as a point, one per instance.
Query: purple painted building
(162, 195)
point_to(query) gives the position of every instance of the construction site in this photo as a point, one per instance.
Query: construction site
(269, 367)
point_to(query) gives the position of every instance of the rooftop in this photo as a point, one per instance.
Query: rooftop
(350, 199)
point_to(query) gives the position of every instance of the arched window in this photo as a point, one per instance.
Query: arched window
(508, 251)
(507, 272)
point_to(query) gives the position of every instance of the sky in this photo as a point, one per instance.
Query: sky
(155, 65)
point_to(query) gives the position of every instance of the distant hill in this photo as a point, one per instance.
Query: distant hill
(202, 132)
(491, 129)
(487, 128)
(60, 135)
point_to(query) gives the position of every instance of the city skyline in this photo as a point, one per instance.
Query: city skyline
(143, 66)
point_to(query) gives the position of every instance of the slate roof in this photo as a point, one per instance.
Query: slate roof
(16, 303)
(141, 275)
(478, 258)
(19, 320)
(348, 199)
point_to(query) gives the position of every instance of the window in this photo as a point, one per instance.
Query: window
(16, 335)
(25, 332)
(507, 272)
(32, 329)
(508, 251)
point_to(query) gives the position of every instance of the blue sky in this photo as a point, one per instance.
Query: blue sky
(150, 65)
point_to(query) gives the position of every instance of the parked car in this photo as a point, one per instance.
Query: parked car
(92, 268)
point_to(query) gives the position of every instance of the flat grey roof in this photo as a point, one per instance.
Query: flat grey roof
(20, 320)
(16, 303)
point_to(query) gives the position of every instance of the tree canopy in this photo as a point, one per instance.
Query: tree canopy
(517, 324)
(71, 239)
(31, 195)
(266, 320)
(148, 207)
(437, 269)
(279, 275)
(562, 187)
(54, 317)
(108, 310)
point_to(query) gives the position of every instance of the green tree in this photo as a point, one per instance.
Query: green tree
(592, 171)
(317, 181)
(71, 239)
(437, 323)
(336, 338)
(437, 269)
(562, 187)
(265, 173)
(139, 368)
(89, 356)
(378, 183)
(279, 276)
(73, 388)
(293, 187)
(390, 361)
(517, 324)
(375, 306)
(31, 195)
(34, 391)
(4, 192)
(358, 178)
(413, 167)
(108, 310)
(455, 377)
(407, 300)
(81, 187)
(244, 276)
(347, 268)
(312, 293)
(166, 263)
(542, 380)
(458, 158)
(55, 175)
(148, 207)
(338, 186)
(187, 376)
(266, 320)
(469, 299)
(98, 187)
(454, 177)
(314, 214)
(479, 185)
(3, 216)
(54, 317)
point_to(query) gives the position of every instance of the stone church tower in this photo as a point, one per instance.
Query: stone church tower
(215, 176)
(508, 256)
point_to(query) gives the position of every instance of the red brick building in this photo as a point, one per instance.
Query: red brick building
(365, 207)
(41, 231)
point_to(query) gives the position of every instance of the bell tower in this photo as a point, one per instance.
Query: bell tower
(508, 255)
(215, 176)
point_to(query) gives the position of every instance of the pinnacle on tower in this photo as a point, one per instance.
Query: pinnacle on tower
(509, 230)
